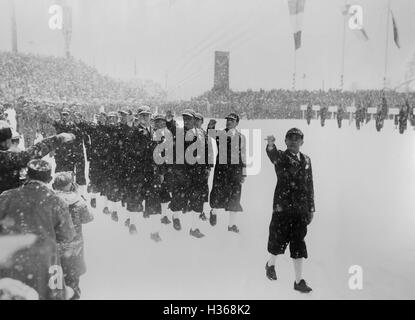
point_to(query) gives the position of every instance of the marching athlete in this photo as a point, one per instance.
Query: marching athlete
(293, 206)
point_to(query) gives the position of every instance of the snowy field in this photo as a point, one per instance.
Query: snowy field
(365, 215)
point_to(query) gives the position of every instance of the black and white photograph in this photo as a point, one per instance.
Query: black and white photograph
(207, 150)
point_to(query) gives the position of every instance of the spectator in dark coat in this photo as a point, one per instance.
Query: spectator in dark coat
(35, 209)
(293, 205)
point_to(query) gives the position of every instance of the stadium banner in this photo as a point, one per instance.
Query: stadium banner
(372, 110)
(393, 111)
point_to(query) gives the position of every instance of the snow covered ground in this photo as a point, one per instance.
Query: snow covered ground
(365, 215)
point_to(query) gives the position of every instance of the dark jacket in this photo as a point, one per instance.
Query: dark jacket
(294, 190)
(72, 151)
(228, 174)
(35, 209)
(235, 163)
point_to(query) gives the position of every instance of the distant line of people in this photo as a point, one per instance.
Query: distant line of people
(362, 116)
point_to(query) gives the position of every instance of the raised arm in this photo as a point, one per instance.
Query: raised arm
(42, 148)
(38, 151)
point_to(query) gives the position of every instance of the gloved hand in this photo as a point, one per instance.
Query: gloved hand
(212, 124)
(270, 140)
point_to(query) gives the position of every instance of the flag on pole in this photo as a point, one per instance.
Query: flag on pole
(395, 31)
(296, 8)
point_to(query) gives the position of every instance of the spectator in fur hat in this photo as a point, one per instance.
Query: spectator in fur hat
(35, 209)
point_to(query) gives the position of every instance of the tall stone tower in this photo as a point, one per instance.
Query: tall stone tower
(221, 82)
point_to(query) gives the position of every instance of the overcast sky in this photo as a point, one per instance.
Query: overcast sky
(176, 40)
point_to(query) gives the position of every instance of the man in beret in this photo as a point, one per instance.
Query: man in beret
(35, 209)
(293, 206)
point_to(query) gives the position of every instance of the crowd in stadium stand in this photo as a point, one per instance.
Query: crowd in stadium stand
(55, 79)
(283, 104)
(38, 87)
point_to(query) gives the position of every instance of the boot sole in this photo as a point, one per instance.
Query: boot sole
(308, 291)
(197, 237)
(272, 279)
